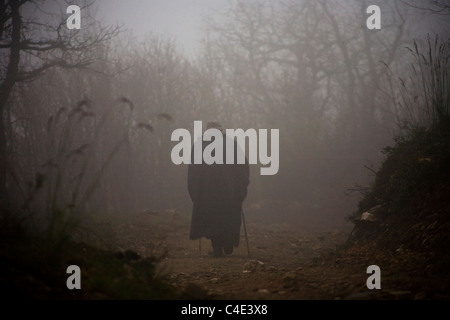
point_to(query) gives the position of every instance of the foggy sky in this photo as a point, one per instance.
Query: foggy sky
(181, 19)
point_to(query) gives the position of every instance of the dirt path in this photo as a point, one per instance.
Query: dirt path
(287, 262)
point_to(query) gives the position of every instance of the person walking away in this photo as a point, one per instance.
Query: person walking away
(218, 192)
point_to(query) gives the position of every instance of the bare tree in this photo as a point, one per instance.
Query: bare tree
(432, 6)
(33, 39)
(313, 69)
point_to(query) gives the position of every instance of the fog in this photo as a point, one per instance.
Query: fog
(93, 134)
(178, 19)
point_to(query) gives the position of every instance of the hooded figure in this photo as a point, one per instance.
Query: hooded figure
(217, 192)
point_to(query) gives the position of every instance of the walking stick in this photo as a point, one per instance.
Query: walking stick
(245, 231)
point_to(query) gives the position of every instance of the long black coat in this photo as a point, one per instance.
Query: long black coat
(217, 192)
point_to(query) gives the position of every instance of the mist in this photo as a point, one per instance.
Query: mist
(87, 123)
(261, 65)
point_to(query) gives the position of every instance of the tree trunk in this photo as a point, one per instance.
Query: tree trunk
(5, 91)
(3, 165)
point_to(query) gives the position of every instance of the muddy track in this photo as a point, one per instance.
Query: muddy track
(287, 262)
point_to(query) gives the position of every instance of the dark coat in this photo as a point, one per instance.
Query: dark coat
(217, 192)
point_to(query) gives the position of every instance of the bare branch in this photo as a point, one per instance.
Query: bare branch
(28, 75)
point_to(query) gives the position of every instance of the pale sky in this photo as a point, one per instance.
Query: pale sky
(182, 19)
(179, 18)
